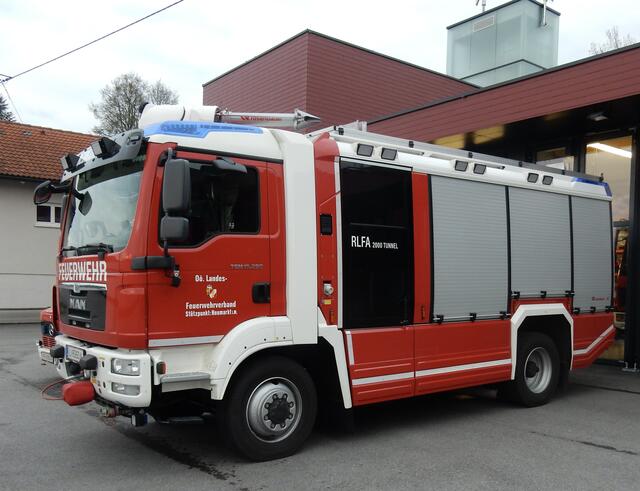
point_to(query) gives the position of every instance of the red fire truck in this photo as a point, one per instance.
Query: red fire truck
(261, 273)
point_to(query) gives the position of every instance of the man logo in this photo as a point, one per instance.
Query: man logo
(211, 292)
(78, 303)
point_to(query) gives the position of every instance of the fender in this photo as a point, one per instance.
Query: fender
(334, 337)
(241, 342)
(521, 315)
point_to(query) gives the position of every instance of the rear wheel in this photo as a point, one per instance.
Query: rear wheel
(271, 408)
(537, 371)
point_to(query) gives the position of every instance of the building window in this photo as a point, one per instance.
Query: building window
(48, 215)
(612, 159)
(558, 158)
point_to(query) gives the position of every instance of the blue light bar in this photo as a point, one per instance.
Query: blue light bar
(605, 185)
(195, 129)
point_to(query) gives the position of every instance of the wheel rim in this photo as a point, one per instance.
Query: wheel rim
(274, 409)
(537, 370)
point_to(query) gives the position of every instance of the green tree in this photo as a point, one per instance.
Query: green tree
(5, 113)
(120, 100)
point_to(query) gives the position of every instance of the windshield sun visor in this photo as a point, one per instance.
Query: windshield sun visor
(129, 144)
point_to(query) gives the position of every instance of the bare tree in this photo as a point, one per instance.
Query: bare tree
(117, 110)
(5, 113)
(614, 41)
(159, 93)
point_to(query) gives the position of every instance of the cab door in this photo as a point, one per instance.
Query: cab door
(224, 265)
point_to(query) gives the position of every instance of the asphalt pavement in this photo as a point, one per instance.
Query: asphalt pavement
(587, 438)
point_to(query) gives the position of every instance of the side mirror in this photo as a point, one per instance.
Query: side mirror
(176, 187)
(42, 193)
(174, 229)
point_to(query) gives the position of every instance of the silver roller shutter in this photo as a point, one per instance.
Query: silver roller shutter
(592, 253)
(470, 248)
(540, 242)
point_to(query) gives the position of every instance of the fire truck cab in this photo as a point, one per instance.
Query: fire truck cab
(261, 273)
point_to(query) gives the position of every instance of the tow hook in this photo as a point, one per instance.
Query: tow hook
(109, 412)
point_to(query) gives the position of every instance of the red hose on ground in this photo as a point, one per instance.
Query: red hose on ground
(46, 397)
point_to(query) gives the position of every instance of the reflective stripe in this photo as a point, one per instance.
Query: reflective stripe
(432, 371)
(382, 378)
(156, 343)
(84, 286)
(460, 368)
(350, 348)
(597, 341)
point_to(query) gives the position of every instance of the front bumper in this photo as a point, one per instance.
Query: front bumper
(102, 378)
(43, 353)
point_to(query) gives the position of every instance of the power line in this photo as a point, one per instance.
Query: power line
(15, 108)
(87, 44)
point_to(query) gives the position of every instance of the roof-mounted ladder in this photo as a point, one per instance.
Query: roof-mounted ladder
(350, 135)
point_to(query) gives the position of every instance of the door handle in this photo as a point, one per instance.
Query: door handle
(261, 292)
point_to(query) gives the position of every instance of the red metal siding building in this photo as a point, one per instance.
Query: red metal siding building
(332, 79)
(592, 81)
(583, 116)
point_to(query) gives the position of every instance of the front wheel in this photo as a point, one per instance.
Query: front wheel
(537, 371)
(270, 409)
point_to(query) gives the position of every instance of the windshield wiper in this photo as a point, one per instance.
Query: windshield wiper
(68, 249)
(99, 247)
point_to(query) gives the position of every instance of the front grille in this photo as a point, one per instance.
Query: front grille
(83, 306)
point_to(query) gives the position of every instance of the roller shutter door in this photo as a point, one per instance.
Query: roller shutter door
(592, 253)
(470, 267)
(540, 242)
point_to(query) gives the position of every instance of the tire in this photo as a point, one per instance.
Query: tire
(537, 371)
(270, 409)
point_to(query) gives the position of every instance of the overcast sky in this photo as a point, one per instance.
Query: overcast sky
(197, 40)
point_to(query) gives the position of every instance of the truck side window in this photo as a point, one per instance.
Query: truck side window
(222, 202)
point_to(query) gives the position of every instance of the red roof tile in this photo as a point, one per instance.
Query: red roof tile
(34, 151)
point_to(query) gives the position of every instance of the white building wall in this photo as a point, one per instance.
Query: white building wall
(27, 253)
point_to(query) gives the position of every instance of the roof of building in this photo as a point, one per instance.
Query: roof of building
(586, 81)
(345, 43)
(33, 152)
(333, 80)
(491, 10)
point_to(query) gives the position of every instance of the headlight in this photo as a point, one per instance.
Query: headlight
(127, 390)
(125, 367)
(48, 329)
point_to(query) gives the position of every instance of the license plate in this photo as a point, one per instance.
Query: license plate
(74, 354)
(44, 356)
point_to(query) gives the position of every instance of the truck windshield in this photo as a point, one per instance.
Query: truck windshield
(102, 209)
